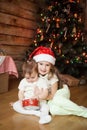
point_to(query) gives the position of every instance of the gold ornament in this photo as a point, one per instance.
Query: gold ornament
(74, 30)
(75, 15)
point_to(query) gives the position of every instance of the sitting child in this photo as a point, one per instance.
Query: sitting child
(32, 93)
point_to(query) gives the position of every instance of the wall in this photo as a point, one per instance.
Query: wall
(17, 27)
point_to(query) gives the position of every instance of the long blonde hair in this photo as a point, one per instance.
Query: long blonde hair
(54, 71)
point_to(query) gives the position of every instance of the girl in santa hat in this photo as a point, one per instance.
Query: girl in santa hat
(58, 100)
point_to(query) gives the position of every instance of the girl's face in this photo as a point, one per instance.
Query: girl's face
(31, 78)
(44, 67)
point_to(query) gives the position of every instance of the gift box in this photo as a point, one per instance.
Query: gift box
(4, 79)
(30, 104)
(69, 80)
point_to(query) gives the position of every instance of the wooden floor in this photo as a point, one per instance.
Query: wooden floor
(10, 120)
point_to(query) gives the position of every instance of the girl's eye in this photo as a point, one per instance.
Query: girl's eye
(41, 64)
(47, 65)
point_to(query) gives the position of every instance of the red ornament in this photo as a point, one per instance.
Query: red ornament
(72, 1)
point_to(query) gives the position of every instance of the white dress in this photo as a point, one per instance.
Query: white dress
(62, 105)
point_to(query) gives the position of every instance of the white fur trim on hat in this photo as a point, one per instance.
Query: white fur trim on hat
(44, 57)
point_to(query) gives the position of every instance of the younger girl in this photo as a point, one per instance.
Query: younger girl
(58, 100)
(31, 89)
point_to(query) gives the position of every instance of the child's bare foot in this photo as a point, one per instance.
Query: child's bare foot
(11, 103)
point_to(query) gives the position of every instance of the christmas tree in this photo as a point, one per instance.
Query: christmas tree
(61, 27)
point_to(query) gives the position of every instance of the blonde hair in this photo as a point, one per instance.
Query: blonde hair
(53, 71)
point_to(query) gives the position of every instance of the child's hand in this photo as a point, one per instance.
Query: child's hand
(41, 90)
(36, 91)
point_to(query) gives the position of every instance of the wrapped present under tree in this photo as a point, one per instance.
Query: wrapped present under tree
(69, 80)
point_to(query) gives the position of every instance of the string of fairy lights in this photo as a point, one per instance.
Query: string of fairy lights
(62, 27)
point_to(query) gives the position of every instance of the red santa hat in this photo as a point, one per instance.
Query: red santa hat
(43, 54)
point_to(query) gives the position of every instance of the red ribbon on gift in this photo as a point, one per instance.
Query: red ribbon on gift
(30, 102)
